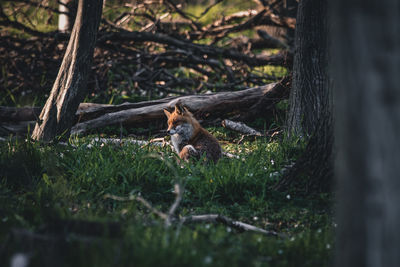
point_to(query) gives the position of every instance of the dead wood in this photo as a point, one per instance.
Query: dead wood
(139, 199)
(178, 190)
(274, 42)
(265, 104)
(13, 114)
(142, 59)
(217, 218)
(86, 111)
(229, 24)
(208, 218)
(196, 49)
(206, 106)
(240, 127)
(16, 128)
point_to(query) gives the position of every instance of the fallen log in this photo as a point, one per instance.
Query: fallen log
(86, 111)
(89, 111)
(205, 107)
(209, 106)
(16, 128)
(13, 114)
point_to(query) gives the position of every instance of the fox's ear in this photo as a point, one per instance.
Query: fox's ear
(186, 110)
(179, 109)
(167, 113)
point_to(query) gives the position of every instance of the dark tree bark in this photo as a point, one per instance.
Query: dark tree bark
(310, 95)
(366, 55)
(69, 89)
(310, 100)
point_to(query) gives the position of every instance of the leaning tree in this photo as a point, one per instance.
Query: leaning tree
(69, 89)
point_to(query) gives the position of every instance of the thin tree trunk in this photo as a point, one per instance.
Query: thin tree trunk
(366, 53)
(64, 20)
(310, 94)
(69, 89)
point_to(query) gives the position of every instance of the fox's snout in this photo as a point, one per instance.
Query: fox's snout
(171, 131)
(184, 130)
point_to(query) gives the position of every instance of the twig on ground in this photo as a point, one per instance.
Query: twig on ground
(240, 127)
(178, 190)
(229, 155)
(217, 218)
(212, 218)
(138, 199)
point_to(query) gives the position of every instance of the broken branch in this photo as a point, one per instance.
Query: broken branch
(140, 200)
(217, 218)
(240, 127)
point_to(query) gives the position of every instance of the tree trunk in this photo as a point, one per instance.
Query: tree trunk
(310, 101)
(69, 89)
(65, 21)
(310, 94)
(366, 67)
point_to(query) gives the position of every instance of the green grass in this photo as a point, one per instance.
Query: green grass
(225, 8)
(48, 189)
(31, 16)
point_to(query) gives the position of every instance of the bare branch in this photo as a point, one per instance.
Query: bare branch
(217, 218)
(184, 14)
(178, 190)
(140, 200)
(240, 127)
(209, 8)
(216, 52)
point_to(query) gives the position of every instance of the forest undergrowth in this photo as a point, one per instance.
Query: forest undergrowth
(55, 206)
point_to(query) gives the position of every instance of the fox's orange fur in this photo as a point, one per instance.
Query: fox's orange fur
(189, 139)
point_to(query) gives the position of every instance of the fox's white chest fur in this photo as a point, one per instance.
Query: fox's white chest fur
(181, 135)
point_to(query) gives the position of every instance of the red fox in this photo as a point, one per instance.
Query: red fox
(189, 139)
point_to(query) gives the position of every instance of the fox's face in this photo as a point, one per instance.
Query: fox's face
(180, 122)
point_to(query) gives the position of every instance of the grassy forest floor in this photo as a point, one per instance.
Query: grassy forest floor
(53, 206)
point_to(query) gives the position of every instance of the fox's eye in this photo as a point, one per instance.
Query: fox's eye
(176, 123)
